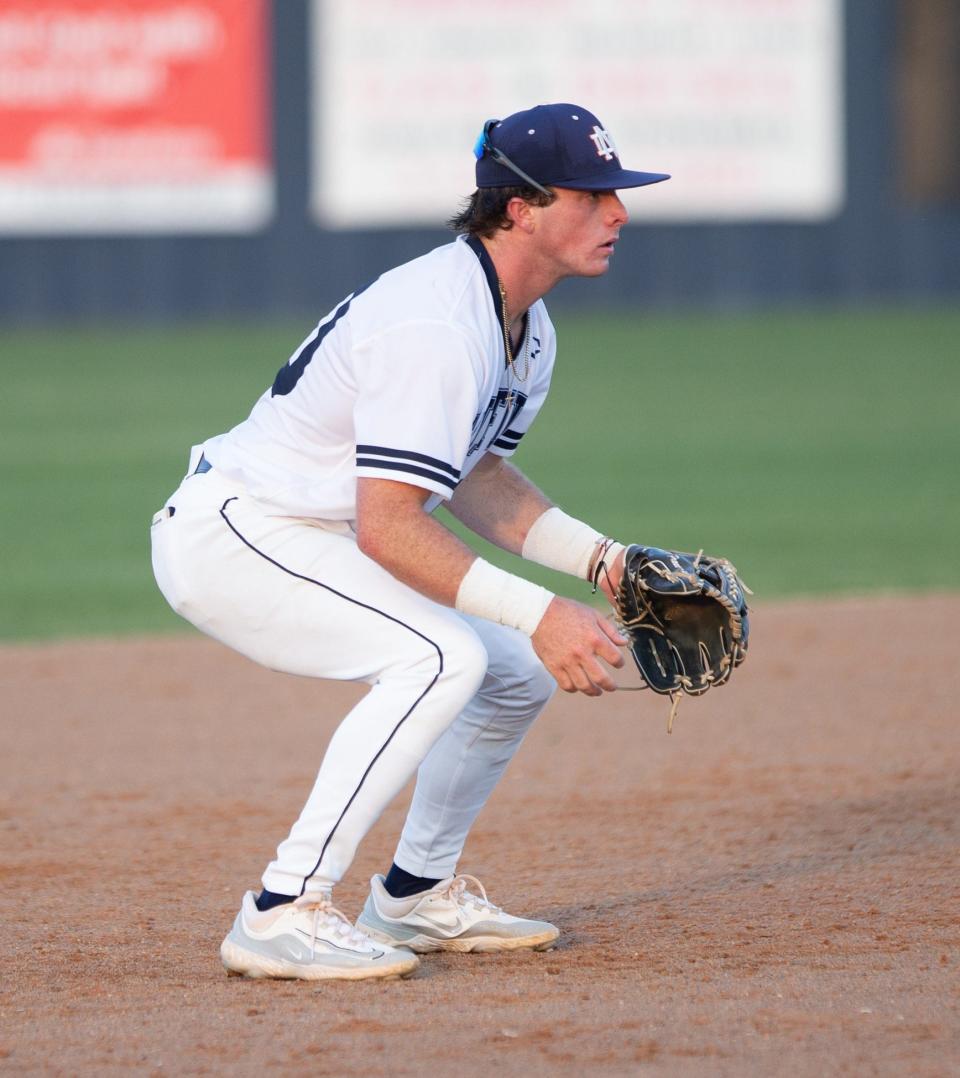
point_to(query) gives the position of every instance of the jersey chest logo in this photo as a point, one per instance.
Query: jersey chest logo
(499, 413)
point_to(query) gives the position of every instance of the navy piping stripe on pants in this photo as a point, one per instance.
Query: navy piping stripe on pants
(373, 610)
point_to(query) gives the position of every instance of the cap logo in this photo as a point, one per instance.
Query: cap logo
(603, 142)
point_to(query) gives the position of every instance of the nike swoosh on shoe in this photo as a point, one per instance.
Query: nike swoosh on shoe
(345, 950)
(438, 926)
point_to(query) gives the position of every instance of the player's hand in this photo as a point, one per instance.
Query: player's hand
(570, 641)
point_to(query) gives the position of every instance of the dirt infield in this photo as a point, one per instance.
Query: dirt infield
(773, 889)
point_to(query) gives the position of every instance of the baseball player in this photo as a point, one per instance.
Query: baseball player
(303, 538)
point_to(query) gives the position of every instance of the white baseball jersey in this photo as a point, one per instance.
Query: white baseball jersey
(406, 379)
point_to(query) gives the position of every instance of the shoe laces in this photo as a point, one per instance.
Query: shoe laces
(328, 921)
(456, 891)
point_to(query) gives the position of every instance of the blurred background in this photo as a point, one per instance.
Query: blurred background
(769, 370)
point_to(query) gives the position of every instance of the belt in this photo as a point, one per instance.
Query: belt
(203, 465)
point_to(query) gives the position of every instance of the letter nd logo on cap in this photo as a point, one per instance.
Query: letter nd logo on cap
(603, 142)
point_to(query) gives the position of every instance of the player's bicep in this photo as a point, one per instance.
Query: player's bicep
(378, 498)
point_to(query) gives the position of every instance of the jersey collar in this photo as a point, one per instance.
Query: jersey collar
(493, 283)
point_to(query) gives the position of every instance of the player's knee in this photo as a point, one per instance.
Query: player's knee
(514, 698)
(539, 685)
(513, 703)
(528, 684)
(464, 660)
(454, 658)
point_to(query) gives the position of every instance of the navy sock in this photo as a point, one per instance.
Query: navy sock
(268, 899)
(400, 884)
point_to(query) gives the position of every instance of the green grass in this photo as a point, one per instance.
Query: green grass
(821, 452)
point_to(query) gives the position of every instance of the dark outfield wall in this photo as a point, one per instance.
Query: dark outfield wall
(877, 249)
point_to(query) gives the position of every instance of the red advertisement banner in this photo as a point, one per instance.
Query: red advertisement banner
(134, 115)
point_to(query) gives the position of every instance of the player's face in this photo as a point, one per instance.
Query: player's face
(578, 230)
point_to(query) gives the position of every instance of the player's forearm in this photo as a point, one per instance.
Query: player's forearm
(499, 503)
(394, 530)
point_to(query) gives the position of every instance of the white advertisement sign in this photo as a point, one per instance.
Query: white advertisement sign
(740, 100)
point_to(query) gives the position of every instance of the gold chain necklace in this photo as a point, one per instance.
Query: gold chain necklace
(508, 347)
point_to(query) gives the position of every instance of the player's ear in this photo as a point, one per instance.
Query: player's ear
(520, 213)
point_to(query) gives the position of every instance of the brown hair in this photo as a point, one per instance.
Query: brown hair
(485, 211)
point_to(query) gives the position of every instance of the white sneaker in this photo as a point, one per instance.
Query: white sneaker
(449, 918)
(307, 939)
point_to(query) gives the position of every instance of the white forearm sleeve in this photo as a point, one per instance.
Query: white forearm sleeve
(489, 592)
(564, 543)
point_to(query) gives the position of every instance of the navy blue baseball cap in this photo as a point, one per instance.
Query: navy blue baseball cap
(559, 145)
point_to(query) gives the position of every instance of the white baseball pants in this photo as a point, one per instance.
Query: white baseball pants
(450, 695)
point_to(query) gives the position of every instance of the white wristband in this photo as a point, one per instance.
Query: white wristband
(489, 592)
(561, 542)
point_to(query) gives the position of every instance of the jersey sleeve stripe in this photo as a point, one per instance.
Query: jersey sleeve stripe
(508, 440)
(411, 469)
(403, 454)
